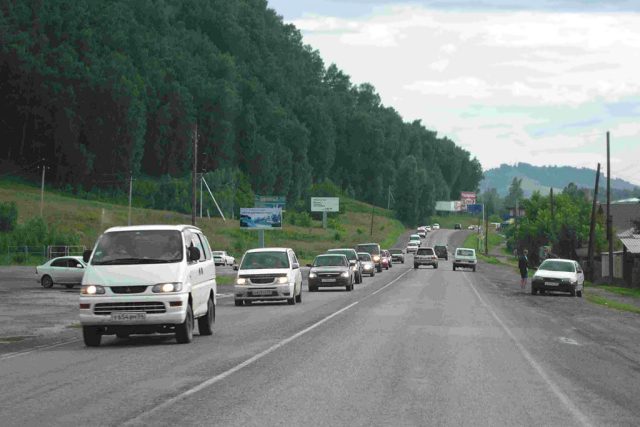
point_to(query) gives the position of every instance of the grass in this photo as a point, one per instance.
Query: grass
(225, 280)
(90, 218)
(597, 299)
(627, 292)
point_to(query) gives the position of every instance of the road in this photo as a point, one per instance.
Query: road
(408, 347)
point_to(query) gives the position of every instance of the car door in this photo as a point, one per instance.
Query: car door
(58, 270)
(209, 270)
(195, 272)
(75, 270)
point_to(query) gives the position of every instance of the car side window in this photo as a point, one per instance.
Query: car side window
(190, 239)
(206, 253)
(59, 263)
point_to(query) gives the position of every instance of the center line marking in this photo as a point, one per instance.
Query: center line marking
(571, 407)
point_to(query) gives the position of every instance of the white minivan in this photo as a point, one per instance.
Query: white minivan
(148, 279)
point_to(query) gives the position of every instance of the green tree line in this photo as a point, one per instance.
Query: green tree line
(102, 89)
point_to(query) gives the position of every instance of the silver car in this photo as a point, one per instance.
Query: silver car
(67, 270)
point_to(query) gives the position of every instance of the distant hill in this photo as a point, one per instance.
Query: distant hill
(542, 178)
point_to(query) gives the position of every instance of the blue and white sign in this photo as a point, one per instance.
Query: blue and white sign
(260, 218)
(270, 202)
(474, 208)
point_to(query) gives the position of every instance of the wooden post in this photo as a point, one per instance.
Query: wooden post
(609, 224)
(592, 227)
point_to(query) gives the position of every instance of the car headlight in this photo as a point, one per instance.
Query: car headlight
(282, 280)
(92, 290)
(354, 268)
(312, 275)
(345, 274)
(376, 258)
(241, 281)
(162, 288)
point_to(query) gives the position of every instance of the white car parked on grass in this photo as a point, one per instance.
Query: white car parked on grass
(67, 270)
(268, 274)
(148, 279)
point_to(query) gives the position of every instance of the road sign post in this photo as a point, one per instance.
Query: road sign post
(324, 205)
(261, 238)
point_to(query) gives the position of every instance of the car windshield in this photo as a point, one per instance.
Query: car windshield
(329, 261)
(564, 266)
(217, 253)
(465, 252)
(363, 256)
(138, 247)
(372, 249)
(425, 251)
(265, 260)
(395, 251)
(350, 253)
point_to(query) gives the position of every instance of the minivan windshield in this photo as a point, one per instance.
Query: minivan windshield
(265, 260)
(329, 261)
(138, 247)
(373, 249)
(350, 253)
(564, 266)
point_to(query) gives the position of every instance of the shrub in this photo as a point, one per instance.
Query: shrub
(337, 236)
(8, 216)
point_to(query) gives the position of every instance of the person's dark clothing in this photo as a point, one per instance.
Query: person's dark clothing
(523, 262)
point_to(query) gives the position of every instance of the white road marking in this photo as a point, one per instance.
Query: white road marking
(167, 403)
(569, 405)
(568, 341)
(31, 350)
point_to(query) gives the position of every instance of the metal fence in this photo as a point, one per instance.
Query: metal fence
(24, 253)
(57, 251)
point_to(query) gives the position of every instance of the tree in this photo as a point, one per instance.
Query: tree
(515, 193)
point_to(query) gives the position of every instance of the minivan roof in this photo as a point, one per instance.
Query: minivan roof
(180, 227)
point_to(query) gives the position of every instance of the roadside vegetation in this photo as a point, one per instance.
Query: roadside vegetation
(70, 221)
(615, 297)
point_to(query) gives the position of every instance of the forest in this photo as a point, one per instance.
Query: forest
(99, 90)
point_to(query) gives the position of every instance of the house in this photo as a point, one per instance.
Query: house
(622, 214)
(630, 257)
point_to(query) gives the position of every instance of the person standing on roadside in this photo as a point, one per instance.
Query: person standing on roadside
(523, 262)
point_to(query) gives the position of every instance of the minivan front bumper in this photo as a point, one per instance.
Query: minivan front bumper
(158, 309)
(263, 292)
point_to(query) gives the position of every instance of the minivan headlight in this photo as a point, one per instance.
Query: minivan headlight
(92, 290)
(345, 274)
(312, 275)
(162, 288)
(376, 258)
(282, 280)
(241, 281)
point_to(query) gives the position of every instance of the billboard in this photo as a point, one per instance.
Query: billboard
(270, 202)
(261, 218)
(468, 197)
(446, 206)
(474, 208)
(325, 204)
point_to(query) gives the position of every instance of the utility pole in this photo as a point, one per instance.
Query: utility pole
(592, 226)
(371, 230)
(195, 174)
(130, 191)
(42, 189)
(486, 230)
(389, 198)
(553, 208)
(201, 178)
(609, 225)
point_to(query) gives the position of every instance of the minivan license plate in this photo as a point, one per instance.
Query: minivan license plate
(128, 316)
(262, 292)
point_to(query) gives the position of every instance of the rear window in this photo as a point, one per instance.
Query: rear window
(465, 252)
(350, 253)
(264, 260)
(425, 251)
(372, 249)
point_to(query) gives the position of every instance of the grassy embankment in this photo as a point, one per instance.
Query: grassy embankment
(606, 295)
(89, 218)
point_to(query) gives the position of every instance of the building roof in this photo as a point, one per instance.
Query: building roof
(630, 240)
(622, 214)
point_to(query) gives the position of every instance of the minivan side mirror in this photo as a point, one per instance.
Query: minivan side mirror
(86, 255)
(194, 253)
(309, 265)
(352, 262)
(295, 266)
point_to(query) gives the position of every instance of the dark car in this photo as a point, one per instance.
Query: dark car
(397, 255)
(372, 249)
(352, 256)
(330, 270)
(457, 227)
(441, 251)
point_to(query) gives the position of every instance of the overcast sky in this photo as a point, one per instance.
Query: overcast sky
(508, 81)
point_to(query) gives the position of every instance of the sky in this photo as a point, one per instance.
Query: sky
(508, 81)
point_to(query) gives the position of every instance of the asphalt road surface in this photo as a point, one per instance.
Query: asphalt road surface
(408, 347)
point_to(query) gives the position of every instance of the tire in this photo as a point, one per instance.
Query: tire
(403, 261)
(91, 336)
(312, 288)
(373, 274)
(205, 323)
(435, 266)
(474, 269)
(572, 292)
(454, 268)
(415, 265)
(122, 335)
(69, 286)
(238, 302)
(292, 300)
(534, 290)
(379, 268)
(299, 296)
(184, 331)
(248, 302)
(579, 294)
(46, 282)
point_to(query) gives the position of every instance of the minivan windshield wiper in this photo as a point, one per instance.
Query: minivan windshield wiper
(134, 261)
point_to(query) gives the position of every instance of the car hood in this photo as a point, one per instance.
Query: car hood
(133, 274)
(329, 269)
(263, 272)
(555, 274)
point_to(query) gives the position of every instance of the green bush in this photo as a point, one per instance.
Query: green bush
(337, 236)
(8, 216)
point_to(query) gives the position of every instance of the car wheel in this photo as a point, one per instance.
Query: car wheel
(292, 300)
(454, 268)
(572, 292)
(534, 290)
(122, 335)
(312, 288)
(379, 269)
(91, 336)
(205, 323)
(69, 286)
(435, 266)
(248, 302)
(47, 282)
(579, 294)
(184, 331)
(415, 265)
(238, 302)
(373, 273)
(474, 269)
(299, 297)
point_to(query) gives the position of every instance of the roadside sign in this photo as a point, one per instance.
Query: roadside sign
(325, 204)
(270, 202)
(468, 198)
(474, 208)
(260, 218)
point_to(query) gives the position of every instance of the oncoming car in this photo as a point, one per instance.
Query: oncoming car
(558, 275)
(269, 274)
(148, 279)
(372, 249)
(368, 266)
(330, 270)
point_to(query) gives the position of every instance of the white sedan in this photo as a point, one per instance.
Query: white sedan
(67, 270)
(223, 258)
(561, 275)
